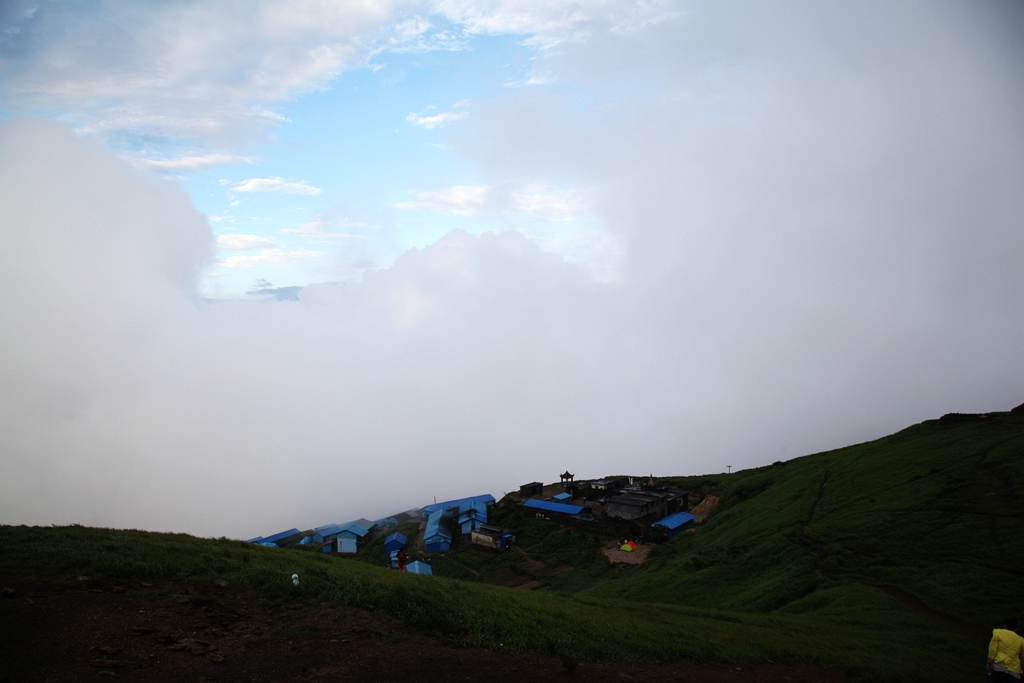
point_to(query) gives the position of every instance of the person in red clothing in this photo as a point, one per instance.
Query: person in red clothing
(1005, 652)
(402, 559)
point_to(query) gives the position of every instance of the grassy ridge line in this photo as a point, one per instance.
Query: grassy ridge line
(487, 616)
(934, 510)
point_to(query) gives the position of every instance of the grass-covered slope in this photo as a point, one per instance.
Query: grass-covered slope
(933, 511)
(489, 616)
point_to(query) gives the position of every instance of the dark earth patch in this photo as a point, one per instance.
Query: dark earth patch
(166, 632)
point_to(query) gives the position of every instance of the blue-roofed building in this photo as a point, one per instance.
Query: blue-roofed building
(421, 568)
(323, 534)
(472, 514)
(563, 498)
(675, 523)
(437, 537)
(548, 506)
(351, 535)
(394, 542)
(393, 545)
(486, 499)
(386, 523)
(282, 539)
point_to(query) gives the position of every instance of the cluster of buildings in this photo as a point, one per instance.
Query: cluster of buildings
(341, 539)
(614, 502)
(440, 523)
(469, 516)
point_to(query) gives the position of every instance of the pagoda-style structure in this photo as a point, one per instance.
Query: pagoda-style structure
(566, 478)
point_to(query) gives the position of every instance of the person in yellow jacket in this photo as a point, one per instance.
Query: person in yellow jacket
(1005, 653)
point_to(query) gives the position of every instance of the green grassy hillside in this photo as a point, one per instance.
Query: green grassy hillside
(481, 615)
(933, 511)
(797, 563)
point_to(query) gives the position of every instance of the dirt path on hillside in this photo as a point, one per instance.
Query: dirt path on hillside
(167, 633)
(918, 607)
(702, 510)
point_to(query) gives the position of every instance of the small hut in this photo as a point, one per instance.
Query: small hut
(534, 488)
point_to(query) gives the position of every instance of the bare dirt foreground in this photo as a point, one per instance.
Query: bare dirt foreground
(166, 632)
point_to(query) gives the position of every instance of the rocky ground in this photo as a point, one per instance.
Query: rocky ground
(166, 632)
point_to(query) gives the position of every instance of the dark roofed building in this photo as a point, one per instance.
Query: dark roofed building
(532, 489)
(492, 537)
(636, 504)
(677, 500)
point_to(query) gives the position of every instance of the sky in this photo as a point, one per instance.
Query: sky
(275, 264)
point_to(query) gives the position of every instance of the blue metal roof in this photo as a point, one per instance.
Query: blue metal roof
(675, 520)
(328, 530)
(562, 497)
(553, 507)
(473, 516)
(418, 567)
(360, 523)
(472, 510)
(360, 527)
(395, 537)
(439, 523)
(449, 504)
(278, 537)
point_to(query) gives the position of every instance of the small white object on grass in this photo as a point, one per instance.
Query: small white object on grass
(295, 579)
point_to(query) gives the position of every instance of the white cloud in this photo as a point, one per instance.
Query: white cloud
(187, 69)
(821, 243)
(459, 200)
(320, 230)
(552, 205)
(474, 200)
(275, 255)
(546, 24)
(432, 121)
(191, 163)
(418, 34)
(235, 242)
(275, 185)
(213, 72)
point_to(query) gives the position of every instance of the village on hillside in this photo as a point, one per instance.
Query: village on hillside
(630, 515)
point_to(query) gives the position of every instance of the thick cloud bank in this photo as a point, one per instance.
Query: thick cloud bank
(820, 243)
